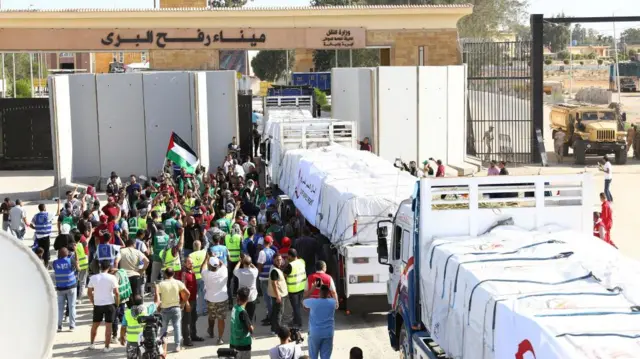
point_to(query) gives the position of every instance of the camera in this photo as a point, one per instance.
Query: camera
(227, 353)
(152, 325)
(295, 335)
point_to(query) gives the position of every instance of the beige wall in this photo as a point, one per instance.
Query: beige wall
(440, 46)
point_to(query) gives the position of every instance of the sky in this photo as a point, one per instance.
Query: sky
(546, 7)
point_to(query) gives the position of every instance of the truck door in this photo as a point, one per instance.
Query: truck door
(400, 255)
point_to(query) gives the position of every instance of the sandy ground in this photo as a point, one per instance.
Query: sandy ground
(367, 331)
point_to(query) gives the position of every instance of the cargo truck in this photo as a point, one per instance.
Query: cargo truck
(515, 277)
(319, 80)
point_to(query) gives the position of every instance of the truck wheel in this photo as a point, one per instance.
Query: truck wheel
(621, 157)
(403, 344)
(579, 153)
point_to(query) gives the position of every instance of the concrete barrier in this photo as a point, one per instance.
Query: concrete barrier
(594, 95)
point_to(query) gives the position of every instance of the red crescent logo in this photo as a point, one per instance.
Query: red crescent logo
(523, 348)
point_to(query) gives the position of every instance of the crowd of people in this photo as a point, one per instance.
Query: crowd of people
(186, 245)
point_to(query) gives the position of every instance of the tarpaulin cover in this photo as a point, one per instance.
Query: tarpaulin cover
(545, 294)
(336, 186)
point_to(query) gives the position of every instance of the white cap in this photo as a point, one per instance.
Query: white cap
(215, 262)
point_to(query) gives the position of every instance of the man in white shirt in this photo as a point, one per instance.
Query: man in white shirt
(105, 297)
(18, 220)
(608, 176)
(214, 276)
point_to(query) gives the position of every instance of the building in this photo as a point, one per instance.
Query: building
(598, 50)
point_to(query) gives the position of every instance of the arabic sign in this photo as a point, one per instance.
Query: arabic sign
(307, 191)
(180, 39)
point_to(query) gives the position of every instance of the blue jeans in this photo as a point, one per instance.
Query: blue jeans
(19, 232)
(320, 347)
(264, 284)
(201, 305)
(174, 315)
(67, 297)
(607, 190)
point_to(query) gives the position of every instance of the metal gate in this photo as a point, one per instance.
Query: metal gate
(245, 127)
(499, 124)
(26, 134)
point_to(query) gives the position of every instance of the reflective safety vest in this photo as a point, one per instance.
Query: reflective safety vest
(142, 224)
(220, 251)
(233, 244)
(240, 335)
(134, 329)
(316, 280)
(81, 257)
(188, 204)
(160, 208)
(139, 244)
(124, 286)
(65, 273)
(169, 260)
(197, 258)
(134, 226)
(170, 227)
(159, 244)
(106, 252)
(268, 263)
(297, 279)
(42, 224)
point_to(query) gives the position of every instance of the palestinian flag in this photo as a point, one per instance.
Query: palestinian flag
(181, 154)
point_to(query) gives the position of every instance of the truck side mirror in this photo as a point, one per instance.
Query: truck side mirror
(383, 251)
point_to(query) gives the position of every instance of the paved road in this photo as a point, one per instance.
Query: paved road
(365, 331)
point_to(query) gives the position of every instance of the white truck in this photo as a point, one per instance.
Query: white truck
(509, 269)
(343, 193)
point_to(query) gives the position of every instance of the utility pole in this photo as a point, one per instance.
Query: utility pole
(14, 74)
(615, 49)
(4, 79)
(570, 61)
(31, 72)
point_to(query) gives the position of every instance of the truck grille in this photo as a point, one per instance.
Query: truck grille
(606, 135)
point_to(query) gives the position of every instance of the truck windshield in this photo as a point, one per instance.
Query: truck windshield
(595, 116)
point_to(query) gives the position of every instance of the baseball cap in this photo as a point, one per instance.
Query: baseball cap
(268, 239)
(286, 242)
(214, 262)
(103, 218)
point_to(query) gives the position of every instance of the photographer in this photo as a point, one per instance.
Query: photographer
(287, 349)
(412, 168)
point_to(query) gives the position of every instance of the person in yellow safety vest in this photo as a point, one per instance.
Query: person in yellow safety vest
(197, 257)
(296, 284)
(170, 256)
(83, 260)
(131, 328)
(233, 242)
(189, 201)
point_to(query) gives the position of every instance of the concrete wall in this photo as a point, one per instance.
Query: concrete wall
(61, 129)
(168, 107)
(397, 113)
(122, 122)
(418, 112)
(84, 122)
(352, 92)
(222, 114)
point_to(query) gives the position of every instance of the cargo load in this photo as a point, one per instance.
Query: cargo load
(548, 293)
(343, 192)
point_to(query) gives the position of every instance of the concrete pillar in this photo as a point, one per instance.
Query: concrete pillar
(304, 60)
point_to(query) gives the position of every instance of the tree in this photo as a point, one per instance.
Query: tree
(556, 36)
(631, 36)
(325, 60)
(270, 65)
(23, 73)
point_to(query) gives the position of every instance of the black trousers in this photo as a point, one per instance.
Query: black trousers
(251, 310)
(135, 289)
(188, 324)
(277, 311)
(44, 243)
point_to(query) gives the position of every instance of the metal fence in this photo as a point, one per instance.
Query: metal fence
(499, 123)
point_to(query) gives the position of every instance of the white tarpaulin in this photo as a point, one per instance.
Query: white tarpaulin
(516, 294)
(306, 194)
(356, 187)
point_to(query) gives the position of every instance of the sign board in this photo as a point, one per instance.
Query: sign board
(180, 39)
(307, 191)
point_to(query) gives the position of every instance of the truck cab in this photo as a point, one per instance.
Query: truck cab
(589, 130)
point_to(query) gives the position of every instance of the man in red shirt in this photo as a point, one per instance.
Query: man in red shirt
(318, 279)
(607, 218)
(284, 248)
(111, 209)
(189, 316)
(106, 225)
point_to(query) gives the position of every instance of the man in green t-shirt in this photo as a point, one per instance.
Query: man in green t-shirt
(159, 242)
(241, 327)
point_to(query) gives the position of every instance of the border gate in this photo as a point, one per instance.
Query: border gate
(499, 123)
(25, 125)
